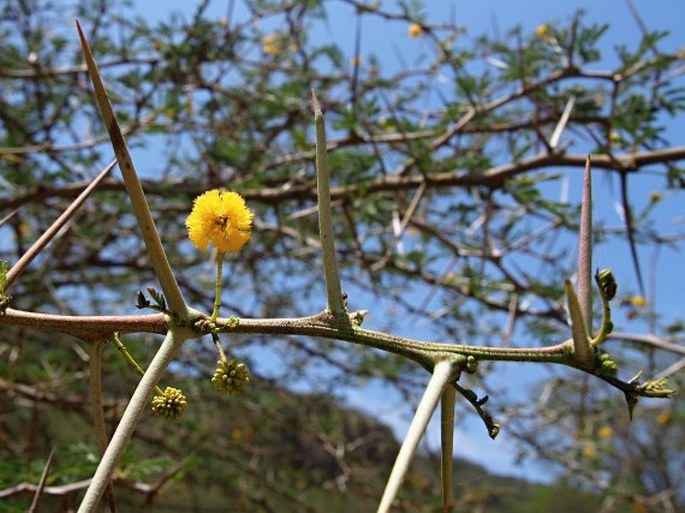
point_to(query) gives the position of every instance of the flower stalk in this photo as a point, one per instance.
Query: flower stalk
(132, 363)
(607, 290)
(217, 288)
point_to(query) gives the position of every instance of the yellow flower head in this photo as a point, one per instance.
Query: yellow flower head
(638, 301)
(542, 31)
(220, 218)
(414, 30)
(663, 418)
(270, 44)
(605, 432)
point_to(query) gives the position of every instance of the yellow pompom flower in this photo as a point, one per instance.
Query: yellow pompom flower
(542, 31)
(605, 432)
(270, 44)
(220, 218)
(663, 418)
(414, 30)
(638, 301)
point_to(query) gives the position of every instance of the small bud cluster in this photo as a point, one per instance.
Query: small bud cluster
(170, 404)
(606, 364)
(230, 376)
(657, 387)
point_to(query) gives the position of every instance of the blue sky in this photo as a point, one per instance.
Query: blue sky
(496, 18)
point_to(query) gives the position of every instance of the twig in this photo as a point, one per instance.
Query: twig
(95, 379)
(630, 230)
(41, 484)
(86, 327)
(651, 340)
(563, 121)
(50, 233)
(671, 369)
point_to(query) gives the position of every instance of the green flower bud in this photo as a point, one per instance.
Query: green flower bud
(230, 377)
(232, 322)
(609, 327)
(607, 283)
(141, 300)
(471, 364)
(357, 318)
(204, 326)
(4, 303)
(170, 404)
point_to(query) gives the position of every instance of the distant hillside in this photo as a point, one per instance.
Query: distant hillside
(273, 451)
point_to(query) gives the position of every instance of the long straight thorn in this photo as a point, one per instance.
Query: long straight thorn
(585, 248)
(336, 302)
(443, 373)
(158, 257)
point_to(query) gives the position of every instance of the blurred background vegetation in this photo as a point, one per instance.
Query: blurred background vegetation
(456, 208)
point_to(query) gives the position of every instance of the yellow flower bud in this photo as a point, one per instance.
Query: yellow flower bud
(415, 30)
(230, 377)
(170, 405)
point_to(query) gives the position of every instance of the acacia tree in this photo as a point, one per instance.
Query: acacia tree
(448, 213)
